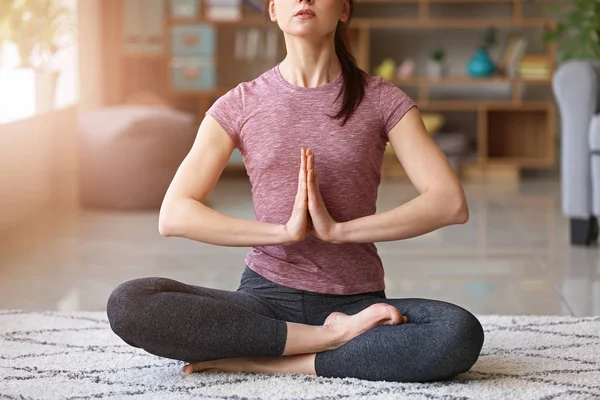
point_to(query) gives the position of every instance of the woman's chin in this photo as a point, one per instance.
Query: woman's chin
(306, 32)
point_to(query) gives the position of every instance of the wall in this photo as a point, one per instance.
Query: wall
(111, 48)
(38, 155)
(91, 82)
(37, 166)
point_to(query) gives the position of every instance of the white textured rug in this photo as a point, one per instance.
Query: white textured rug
(56, 355)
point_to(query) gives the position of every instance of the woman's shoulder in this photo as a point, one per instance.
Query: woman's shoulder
(235, 100)
(256, 86)
(372, 80)
(377, 83)
(381, 90)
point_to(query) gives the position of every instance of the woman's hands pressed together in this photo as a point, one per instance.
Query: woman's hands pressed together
(299, 225)
(323, 225)
(309, 213)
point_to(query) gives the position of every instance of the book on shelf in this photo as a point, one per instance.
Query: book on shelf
(534, 74)
(535, 66)
(231, 10)
(256, 43)
(223, 14)
(224, 10)
(511, 55)
(257, 6)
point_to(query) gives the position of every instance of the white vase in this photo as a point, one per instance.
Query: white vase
(436, 69)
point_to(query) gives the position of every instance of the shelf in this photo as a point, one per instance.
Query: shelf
(252, 20)
(383, 23)
(471, 105)
(431, 1)
(522, 162)
(522, 136)
(142, 56)
(441, 105)
(447, 105)
(467, 80)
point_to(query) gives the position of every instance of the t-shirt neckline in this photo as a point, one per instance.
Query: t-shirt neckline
(295, 88)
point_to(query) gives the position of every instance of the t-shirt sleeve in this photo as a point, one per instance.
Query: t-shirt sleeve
(227, 110)
(393, 103)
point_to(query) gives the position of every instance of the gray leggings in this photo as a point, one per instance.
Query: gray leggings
(191, 323)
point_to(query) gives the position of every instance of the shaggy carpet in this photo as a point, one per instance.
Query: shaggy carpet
(60, 355)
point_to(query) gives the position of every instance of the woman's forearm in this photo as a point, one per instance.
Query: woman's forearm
(423, 214)
(193, 220)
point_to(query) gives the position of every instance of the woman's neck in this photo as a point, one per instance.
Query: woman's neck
(310, 64)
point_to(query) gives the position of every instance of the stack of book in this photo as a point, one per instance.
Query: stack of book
(535, 66)
(255, 6)
(511, 55)
(220, 10)
(223, 10)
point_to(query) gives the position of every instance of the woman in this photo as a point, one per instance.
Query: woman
(312, 297)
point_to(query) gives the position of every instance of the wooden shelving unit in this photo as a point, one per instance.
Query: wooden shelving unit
(511, 134)
(432, 1)
(424, 23)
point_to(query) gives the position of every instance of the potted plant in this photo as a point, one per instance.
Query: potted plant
(577, 31)
(6, 8)
(39, 29)
(437, 66)
(481, 65)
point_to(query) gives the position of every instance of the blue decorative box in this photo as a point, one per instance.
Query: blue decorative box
(193, 40)
(193, 73)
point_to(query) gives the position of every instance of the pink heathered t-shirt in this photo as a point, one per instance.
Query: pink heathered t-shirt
(269, 119)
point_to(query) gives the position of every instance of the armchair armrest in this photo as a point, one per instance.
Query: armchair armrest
(575, 86)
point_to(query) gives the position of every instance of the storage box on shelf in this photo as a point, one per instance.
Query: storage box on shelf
(192, 57)
(189, 74)
(190, 40)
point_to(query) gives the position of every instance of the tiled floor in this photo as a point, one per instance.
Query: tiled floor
(512, 257)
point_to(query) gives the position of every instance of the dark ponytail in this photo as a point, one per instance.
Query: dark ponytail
(353, 89)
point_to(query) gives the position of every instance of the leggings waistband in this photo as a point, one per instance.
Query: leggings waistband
(253, 281)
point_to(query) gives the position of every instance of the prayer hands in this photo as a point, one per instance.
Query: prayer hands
(323, 225)
(299, 225)
(309, 213)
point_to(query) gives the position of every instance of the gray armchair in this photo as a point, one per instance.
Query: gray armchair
(576, 86)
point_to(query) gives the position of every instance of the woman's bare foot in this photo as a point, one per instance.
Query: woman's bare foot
(354, 325)
(225, 365)
(297, 364)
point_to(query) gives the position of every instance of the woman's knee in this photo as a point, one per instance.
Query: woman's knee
(467, 337)
(122, 307)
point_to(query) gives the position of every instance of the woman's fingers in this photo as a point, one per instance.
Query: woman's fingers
(302, 193)
(312, 196)
(302, 173)
(309, 163)
(311, 174)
